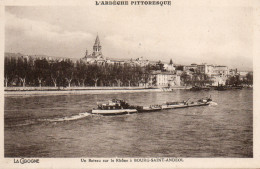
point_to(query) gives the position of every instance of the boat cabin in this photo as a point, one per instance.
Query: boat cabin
(115, 104)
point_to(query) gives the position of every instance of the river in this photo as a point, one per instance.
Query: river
(222, 130)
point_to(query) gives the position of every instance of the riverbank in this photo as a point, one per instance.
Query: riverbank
(16, 91)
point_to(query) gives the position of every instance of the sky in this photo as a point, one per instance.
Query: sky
(213, 32)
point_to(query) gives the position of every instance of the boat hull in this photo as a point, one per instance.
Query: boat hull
(184, 105)
(113, 112)
(198, 104)
(174, 106)
(149, 110)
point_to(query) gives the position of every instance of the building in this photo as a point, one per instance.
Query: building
(164, 79)
(212, 70)
(96, 56)
(115, 62)
(139, 61)
(193, 67)
(232, 72)
(242, 74)
(221, 71)
(218, 74)
(218, 80)
(169, 67)
(206, 69)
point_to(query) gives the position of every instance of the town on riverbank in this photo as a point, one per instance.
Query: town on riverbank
(96, 72)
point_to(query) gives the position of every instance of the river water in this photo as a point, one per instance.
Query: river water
(36, 126)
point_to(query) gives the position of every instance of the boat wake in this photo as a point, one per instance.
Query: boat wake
(213, 104)
(60, 119)
(70, 118)
(26, 123)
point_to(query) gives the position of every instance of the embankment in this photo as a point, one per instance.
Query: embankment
(16, 91)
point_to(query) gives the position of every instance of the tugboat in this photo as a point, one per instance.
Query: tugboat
(114, 107)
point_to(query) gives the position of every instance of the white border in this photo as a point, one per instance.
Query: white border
(188, 162)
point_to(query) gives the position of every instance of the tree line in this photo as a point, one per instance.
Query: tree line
(42, 72)
(237, 80)
(201, 79)
(21, 71)
(196, 79)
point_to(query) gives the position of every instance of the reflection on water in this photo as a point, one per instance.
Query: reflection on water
(224, 130)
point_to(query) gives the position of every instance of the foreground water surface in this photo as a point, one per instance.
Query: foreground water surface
(34, 126)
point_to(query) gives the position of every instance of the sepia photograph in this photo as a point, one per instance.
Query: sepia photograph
(145, 80)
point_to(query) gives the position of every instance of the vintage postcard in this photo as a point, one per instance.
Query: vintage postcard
(130, 84)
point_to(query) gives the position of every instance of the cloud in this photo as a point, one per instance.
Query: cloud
(186, 34)
(28, 32)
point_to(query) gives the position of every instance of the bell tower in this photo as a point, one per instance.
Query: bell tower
(86, 53)
(97, 48)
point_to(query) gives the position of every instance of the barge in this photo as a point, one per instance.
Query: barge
(119, 107)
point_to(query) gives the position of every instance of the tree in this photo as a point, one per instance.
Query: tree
(81, 73)
(67, 71)
(185, 78)
(179, 68)
(9, 70)
(249, 78)
(171, 62)
(160, 66)
(95, 73)
(200, 79)
(54, 72)
(24, 70)
(128, 75)
(95, 78)
(118, 74)
(146, 75)
(234, 80)
(41, 67)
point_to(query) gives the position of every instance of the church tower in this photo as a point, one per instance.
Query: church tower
(97, 48)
